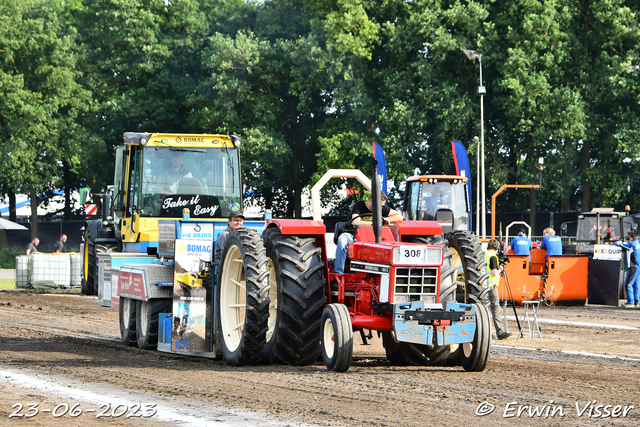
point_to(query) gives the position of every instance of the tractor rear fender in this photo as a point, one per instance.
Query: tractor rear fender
(97, 234)
(297, 227)
(419, 228)
(301, 228)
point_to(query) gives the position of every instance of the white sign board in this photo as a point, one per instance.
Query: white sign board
(607, 252)
(189, 253)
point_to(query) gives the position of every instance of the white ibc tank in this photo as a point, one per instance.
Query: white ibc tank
(52, 268)
(22, 271)
(76, 270)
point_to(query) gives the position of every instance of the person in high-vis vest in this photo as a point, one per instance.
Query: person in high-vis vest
(493, 268)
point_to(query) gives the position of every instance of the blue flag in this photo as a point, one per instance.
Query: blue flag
(461, 161)
(382, 166)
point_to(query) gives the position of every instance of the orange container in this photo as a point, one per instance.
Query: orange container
(567, 282)
(522, 284)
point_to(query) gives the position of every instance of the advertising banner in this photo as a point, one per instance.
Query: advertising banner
(191, 329)
(608, 252)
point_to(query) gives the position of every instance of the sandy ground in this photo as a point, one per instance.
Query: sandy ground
(71, 344)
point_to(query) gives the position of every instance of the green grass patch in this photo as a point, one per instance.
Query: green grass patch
(7, 284)
(8, 257)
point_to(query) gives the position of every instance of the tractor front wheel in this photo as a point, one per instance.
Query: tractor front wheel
(243, 297)
(474, 355)
(336, 337)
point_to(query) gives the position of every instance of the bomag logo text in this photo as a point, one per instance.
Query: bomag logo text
(193, 139)
(199, 248)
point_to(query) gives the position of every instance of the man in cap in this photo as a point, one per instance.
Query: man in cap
(236, 219)
(522, 244)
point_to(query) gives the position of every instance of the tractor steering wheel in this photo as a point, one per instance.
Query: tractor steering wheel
(350, 223)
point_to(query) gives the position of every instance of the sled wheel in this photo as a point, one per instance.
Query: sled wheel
(127, 314)
(147, 321)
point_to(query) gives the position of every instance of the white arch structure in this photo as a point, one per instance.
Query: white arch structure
(334, 173)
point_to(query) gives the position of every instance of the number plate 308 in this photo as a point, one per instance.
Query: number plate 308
(413, 255)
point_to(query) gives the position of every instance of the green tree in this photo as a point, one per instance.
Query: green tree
(40, 97)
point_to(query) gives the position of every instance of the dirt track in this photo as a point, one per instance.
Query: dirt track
(70, 339)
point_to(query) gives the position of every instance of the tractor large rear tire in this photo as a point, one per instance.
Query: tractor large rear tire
(297, 298)
(243, 298)
(147, 321)
(468, 258)
(474, 355)
(401, 353)
(86, 284)
(89, 285)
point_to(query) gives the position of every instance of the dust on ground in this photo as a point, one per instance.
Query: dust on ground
(66, 335)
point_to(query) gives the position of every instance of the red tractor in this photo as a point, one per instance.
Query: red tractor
(276, 303)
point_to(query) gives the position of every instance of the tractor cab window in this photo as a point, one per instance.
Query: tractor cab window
(414, 200)
(204, 180)
(443, 195)
(606, 228)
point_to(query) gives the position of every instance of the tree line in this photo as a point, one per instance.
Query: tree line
(309, 84)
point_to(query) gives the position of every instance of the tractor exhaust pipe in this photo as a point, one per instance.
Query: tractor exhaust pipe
(376, 200)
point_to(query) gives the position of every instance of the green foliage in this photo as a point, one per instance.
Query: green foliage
(308, 85)
(8, 257)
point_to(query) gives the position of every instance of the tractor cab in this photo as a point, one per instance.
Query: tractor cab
(159, 175)
(601, 226)
(441, 198)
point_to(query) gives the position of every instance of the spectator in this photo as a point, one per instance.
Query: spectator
(236, 219)
(633, 276)
(31, 247)
(59, 246)
(522, 244)
(493, 268)
(551, 242)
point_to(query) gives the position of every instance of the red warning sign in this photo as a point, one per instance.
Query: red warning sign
(91, 209)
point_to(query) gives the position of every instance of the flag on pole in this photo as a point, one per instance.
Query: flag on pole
(461, 160)
(378, 153)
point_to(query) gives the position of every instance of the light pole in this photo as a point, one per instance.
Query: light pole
(477, 185)
(541, 168)
(481, 90)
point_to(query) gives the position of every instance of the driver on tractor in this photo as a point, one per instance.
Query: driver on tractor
(358, 210)
(437, 198)
(171, 176)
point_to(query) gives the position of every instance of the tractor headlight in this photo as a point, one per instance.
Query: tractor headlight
(236, 141)
(428, 299)
(399, 299)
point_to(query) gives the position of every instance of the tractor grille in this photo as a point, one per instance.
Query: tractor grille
(415, 283)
